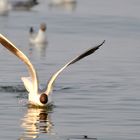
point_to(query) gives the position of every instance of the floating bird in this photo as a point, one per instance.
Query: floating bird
(5, 7)
(68, 6)
(36, 96)
(24, 5)
(40, 37)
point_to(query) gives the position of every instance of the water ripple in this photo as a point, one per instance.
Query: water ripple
(18, 88)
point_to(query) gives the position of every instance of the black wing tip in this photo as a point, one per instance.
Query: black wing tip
(101, 44)
(103, 41)
(98, 46)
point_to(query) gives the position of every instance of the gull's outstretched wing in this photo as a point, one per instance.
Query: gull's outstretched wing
(7, 44)
(54, 76)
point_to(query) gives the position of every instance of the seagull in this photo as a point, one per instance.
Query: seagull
(36, 96)
(6, 6)
(40, 37)
(63, 4)
(24, 5)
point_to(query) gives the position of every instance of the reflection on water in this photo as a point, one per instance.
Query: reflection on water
(14, 88)
(64, 6)
(40, 49)
(36, 121)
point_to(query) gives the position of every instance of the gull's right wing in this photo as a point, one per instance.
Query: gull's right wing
(7, 44)
(54, 76)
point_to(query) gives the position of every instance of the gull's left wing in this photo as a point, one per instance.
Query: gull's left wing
(54, 76)
(7, 44)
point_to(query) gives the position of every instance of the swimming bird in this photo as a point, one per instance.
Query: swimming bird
(36, 96)
(40, 37)
(68, 6)
(5, 7)
(24, 5)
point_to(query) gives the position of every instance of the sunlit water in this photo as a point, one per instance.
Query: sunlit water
(99, 96)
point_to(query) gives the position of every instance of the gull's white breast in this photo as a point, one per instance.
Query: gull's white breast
(34, 99)
(40, 38)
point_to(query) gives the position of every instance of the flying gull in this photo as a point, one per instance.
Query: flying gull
(36, 96)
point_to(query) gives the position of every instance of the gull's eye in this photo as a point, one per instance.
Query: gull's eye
(43, 98)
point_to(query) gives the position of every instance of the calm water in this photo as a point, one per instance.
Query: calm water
(99, 96)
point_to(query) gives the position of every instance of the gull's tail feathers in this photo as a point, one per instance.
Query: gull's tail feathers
(7, 44)
(54, 76)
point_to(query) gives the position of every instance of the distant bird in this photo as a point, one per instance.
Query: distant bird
(36, 96)
(63, 4)
(24, 5)
(5, 7)
(40, 37)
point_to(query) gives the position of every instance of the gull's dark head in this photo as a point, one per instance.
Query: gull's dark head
(43, 27)
(43, 98)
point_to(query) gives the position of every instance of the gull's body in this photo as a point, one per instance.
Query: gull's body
(69, 6)
(6, 6)
(36, 96)
(24, 5)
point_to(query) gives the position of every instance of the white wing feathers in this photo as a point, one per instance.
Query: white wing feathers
(28, 84)
(54, 76)
(7, 44)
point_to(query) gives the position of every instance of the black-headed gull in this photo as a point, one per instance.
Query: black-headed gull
(68, 6)
(36, 96)
(24, 5)
(6, 6)
(40, 37)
